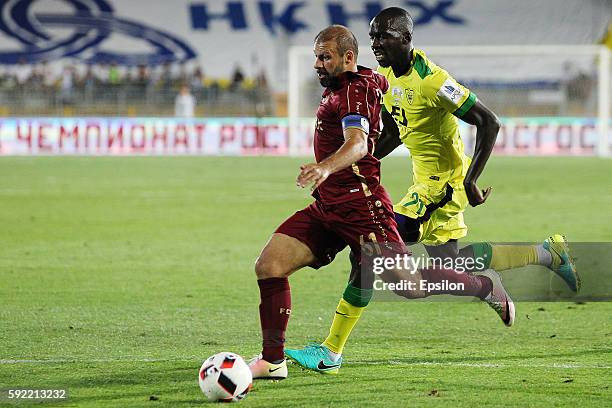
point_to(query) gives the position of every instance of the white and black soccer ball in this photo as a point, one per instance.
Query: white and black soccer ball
(225, 377)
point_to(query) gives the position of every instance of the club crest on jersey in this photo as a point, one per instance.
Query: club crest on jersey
(410, 95)
(451, 91)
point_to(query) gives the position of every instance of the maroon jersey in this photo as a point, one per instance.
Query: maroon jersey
(356, 98)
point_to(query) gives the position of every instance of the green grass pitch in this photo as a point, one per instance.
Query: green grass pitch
(118, 276)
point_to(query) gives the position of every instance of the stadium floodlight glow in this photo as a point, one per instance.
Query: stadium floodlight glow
(559, 86)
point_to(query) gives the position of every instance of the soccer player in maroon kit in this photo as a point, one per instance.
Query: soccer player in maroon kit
(350, 208)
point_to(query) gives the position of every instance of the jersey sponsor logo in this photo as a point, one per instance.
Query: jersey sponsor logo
(451, 91)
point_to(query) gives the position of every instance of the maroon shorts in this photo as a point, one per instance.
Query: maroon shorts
(328, 229)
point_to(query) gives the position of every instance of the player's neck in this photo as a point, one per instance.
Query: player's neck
(351, 68)
(403, 66)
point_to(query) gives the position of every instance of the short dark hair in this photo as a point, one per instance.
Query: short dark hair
(399, 18)
(344, 38)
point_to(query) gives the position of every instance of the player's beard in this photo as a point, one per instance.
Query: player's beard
(328, 79)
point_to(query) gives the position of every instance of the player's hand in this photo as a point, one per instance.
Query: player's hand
(475, 195)
(312, 173)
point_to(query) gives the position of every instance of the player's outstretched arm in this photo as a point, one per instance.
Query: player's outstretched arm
(487, 126)
(389, 138)
(353, 149)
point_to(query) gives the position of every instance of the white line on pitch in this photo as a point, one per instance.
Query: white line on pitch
(493, 365)
(390, 362)
(94, 360)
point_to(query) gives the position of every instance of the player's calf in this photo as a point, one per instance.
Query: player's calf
(281, 256)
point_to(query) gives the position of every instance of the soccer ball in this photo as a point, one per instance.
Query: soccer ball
(225, 377)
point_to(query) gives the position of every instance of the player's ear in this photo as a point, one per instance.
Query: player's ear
(349, 57)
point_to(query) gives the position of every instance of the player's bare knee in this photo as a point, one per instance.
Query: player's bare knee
(266, 268)
(261, 269)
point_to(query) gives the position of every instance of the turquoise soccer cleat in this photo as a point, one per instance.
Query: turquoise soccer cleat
(562, 263)
(315, 357)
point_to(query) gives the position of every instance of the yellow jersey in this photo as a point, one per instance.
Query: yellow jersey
(425, 103)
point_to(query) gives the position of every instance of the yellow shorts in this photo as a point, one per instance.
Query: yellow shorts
(445, 223)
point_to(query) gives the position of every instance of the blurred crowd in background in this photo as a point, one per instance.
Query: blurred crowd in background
(184, 90)
(110, 89)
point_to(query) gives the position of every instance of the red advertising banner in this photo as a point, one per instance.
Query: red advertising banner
(138, 136)
(253, 136)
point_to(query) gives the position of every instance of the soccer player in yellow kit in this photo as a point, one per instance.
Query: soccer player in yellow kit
(422, 106)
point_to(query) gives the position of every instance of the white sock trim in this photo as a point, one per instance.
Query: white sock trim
(544, 256)
(333, 356)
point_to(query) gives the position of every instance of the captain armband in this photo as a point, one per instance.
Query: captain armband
(356, 121)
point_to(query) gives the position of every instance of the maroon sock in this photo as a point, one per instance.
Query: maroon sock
(473, 285)
(274, 311)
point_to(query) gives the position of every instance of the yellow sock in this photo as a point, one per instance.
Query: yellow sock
(345, 319)
(513, 256)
